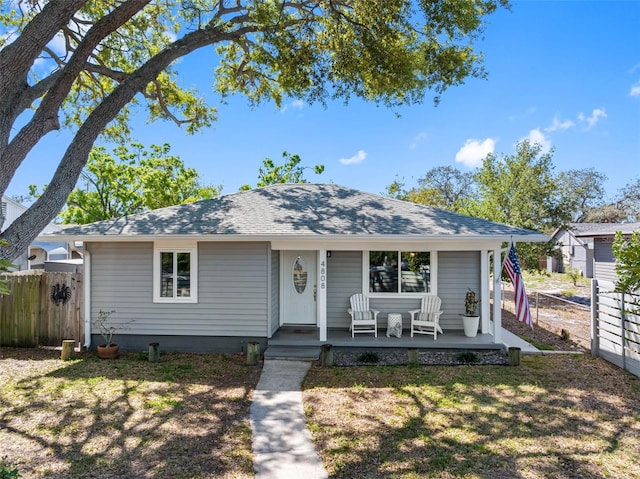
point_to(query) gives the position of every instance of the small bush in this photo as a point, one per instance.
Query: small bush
(574, 275)
(369, 357)
(8, 470)
(468, 357)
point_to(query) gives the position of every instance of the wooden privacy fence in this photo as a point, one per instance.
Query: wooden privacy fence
(42, 309)
(615, 326)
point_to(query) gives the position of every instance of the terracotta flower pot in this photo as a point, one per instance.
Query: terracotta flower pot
(108, 352)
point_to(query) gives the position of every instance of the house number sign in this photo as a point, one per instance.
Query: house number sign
(323, 275)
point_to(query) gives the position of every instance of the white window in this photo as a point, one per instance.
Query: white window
(400, 272)
(175, 273)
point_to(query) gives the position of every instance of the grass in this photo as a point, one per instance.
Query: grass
(542, 280)
(186, 416)
(552, 416)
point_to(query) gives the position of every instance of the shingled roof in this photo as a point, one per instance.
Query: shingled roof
(297, 211)
(603, 229)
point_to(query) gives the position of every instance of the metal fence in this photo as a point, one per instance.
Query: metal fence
(615, 326)
(42, 309)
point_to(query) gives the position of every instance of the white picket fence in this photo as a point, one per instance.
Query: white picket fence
(615, 326)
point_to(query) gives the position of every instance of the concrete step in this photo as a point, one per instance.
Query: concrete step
(296, 353)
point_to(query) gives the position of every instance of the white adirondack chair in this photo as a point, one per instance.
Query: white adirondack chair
(363, 319)
(426, 319)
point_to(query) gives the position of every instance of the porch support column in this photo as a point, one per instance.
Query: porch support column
(321, 296)
(485, 292)
(497, 296)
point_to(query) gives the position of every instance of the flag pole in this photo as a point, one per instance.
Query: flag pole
(506, 250)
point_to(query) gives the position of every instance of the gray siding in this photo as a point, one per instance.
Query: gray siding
(275, 291)
(604, 263)
(344, 278)
(457, 272)
(232, 290)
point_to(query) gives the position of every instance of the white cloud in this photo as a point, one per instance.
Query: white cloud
(474, 151)
(419, 138)
(355, 159)
(635, 89)
(297, 104)
(536, 136)
(559, 125)
(594, 118)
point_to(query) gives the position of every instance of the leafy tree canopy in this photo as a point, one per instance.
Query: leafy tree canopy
(441, 187)
(288, 172)
(135, 180)
(118, 54)
(627, 255)
(628, 201)
(519, 189)
(582, 191)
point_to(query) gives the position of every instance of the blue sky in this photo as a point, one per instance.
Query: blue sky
(565, 74)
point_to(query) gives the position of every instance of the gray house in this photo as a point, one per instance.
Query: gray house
(587, 247)
(216, 274)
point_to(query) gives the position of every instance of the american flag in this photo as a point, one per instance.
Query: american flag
(512, 265)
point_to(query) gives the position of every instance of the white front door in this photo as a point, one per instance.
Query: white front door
(299, 287)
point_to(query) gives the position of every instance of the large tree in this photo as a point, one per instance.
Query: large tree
(117, 53)
(521, 190)
(131, 180)
(625, 207)
(628, 201)
(582, 191)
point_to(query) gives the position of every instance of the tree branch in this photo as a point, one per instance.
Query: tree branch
(75, 158)
(46, 117)
(16, 58)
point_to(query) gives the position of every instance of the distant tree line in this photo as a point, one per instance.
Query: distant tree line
(524, 190)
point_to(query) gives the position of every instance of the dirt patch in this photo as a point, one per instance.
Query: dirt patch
(564, 416)
(558, 324)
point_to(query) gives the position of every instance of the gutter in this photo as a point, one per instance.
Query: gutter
(87, 298)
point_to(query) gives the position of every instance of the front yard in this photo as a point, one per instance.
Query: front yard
(185, 417)
(560, 416)
(564, 416)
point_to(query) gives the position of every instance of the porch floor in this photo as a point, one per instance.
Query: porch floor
(451, 339)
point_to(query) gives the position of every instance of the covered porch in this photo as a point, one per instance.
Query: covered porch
(339, 337)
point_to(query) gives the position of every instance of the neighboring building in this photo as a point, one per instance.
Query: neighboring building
(587, 247)
(216, 274)
(39, 253)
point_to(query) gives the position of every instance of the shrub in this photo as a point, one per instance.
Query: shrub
(468, 357)
(369, 357)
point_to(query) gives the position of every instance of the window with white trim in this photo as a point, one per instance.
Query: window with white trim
(399, 272)
(175, 274)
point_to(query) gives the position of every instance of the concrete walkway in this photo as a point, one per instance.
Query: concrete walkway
(282, 445)
(510, 340)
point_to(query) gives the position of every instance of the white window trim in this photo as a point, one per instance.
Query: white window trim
(433, 259)
(175, 247)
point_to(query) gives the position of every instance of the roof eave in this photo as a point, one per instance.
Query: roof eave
(518, 238)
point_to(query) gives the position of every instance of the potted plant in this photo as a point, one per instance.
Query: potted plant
(471, 317)
(109, 349)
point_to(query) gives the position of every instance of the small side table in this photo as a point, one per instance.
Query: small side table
(394, 325)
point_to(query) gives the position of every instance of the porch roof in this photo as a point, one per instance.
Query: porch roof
(297, 211)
